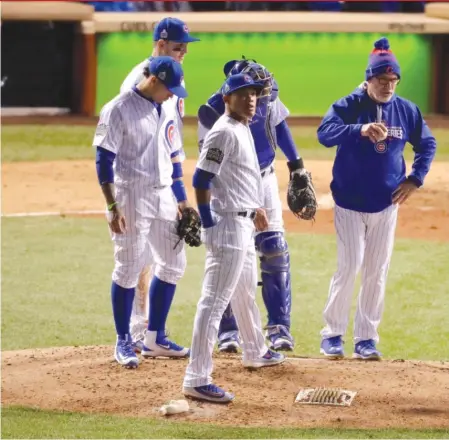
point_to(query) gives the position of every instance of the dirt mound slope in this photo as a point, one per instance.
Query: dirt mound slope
(406, 394)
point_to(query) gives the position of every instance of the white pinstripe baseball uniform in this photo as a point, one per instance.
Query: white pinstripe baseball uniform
(173, 106)
(130, 127)
(277, 112)
(231, 266)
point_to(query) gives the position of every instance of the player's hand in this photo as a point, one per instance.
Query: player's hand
(375, 131)
(404, 191)
(181, 206)
(117, 221)
(261, 220)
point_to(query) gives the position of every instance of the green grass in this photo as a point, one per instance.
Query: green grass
(49, 424)
(55, 292)
(63, 298)
(48, 142)
(56, 280)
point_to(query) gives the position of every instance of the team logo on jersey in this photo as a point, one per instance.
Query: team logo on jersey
(181, 107)
(394, 132)
(170, 133)
(380, 147)
(215, 155)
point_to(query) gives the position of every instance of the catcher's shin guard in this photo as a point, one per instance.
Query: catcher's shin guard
(275, 267)
(228, 322)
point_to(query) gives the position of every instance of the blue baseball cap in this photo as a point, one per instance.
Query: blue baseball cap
(239, 81)
(170, 73)
(173, 29)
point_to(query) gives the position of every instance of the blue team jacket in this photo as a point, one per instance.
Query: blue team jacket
(366, 174)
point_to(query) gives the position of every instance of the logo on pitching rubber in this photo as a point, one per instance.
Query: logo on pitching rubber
(170, 132)
(381, 147)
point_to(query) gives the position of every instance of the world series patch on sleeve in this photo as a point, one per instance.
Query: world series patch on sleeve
(215, 155)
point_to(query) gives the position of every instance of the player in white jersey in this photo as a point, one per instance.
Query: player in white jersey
(229, 193)
(270, 130)
(171, 38)
(138, 169)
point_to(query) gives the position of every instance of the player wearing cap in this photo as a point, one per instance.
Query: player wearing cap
(170, 38)
(229, 194)
(270, 130)
(136, 167)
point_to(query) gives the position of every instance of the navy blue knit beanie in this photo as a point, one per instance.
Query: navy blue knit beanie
(382, 60)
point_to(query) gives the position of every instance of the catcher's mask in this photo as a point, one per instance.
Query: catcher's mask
(256, 71)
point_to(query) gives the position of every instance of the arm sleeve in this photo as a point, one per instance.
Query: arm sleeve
(202, 179)
(109, 131)
(202, 132)
(285, 141)
(333, 130)
(217, 147)
(104, 164)
(279, 111)
(424, 146)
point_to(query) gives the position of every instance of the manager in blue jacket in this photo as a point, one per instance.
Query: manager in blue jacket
(370, 128)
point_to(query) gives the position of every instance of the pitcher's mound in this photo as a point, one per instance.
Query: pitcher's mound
(404, 394)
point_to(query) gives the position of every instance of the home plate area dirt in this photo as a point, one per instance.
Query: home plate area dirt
(400, 394)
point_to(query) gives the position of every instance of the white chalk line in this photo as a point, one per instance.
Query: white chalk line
(53, 213)
(325, 202)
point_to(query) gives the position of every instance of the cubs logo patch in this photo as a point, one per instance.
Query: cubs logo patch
(170, 133)
(380, 147)
(181, 107)
(215, 155)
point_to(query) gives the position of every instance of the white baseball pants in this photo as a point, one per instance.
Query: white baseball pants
(230, 275)
(364, 241)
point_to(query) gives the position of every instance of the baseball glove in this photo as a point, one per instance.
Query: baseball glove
(189, 227)
(301, 197)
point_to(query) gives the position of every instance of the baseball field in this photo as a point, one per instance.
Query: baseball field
(59, 379)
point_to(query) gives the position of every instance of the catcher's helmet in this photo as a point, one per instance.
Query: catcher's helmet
(255, 70)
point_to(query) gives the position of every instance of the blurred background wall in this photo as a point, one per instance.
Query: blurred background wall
(71, 57)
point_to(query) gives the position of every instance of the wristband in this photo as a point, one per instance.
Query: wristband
(111, 206)
(294, 165)
(206, 216)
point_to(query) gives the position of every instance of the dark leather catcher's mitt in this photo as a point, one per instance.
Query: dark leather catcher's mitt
(301, 197)
(189, 227)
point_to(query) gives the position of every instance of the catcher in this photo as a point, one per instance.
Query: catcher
(269, 130)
